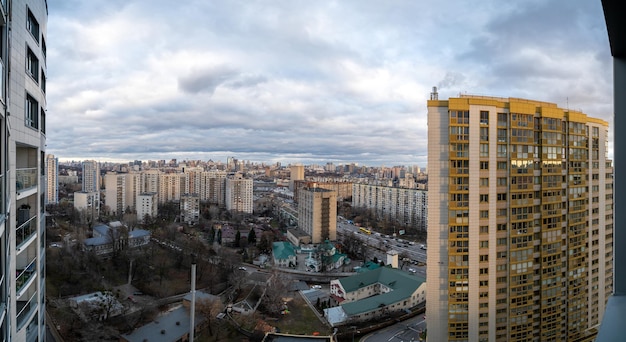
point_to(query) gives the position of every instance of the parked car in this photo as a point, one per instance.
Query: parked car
(241, 268)
(316, 286)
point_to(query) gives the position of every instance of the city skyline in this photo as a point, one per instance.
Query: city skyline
(304, 82)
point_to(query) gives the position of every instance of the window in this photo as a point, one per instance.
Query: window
(502, 119)
(43, 121)
(484, 198)
(484, 229)
(32, 112)
(43, 47)
(484, 150)
(484, 117)
(484, 182)
(484, 165)
(502, 165)
(484, 134)
(484, 214)
(32, 25)
(484, 244)
(43, 81)
(502, 180)
(32, 64)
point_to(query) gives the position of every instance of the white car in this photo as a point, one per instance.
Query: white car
(241, 268)
(316, 286)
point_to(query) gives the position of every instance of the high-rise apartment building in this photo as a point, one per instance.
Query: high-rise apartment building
(296, 173)
(317, 213)
(239, 194)
(91, 176)
(190, 209)
(22, 169)
(52, 179)
(520, 221)
(409, 207)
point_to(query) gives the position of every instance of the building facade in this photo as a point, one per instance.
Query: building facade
(23, 68)
(408, 207)
(239, 194)
(91, 176)
(52, 179)
(190, 209)
(317, 214)
(147, 204)
(520, 221)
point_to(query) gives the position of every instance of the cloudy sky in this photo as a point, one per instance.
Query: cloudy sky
(304, 81)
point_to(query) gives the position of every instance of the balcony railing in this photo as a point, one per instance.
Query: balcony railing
(25, 178)
(25, 309)
(24, 275)
(25, 230)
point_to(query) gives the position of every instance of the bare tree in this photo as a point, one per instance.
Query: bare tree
(277, 287)
(209, 308)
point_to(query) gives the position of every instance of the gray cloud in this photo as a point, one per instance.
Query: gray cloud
(303, 81)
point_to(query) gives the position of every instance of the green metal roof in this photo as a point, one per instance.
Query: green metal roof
(282, 250)
(403, 285)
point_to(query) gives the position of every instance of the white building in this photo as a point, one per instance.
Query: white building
(23, 70)
(407, 206)
(372, 294)
(147, 204)
(87, 203)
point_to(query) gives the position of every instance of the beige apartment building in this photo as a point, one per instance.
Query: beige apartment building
(239, 194)
(520, 221)
(317, 213)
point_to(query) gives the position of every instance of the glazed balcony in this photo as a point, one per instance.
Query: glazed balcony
(25, 179)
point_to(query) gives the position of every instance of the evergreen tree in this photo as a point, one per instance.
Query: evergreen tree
(211, 237)
(237, 238)
(252, 237)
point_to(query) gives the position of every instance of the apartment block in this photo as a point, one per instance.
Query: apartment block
(520, 221)
(147, 205)
(317, 214)
(91, 176)
(23, 69)
(190, 208)
(52, 179)
(408, 207)
(239, 194)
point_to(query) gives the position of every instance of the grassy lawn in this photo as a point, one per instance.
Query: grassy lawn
(300, 320)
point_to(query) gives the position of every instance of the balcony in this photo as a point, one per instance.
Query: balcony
(25, 179)
(25, 310)
(23, 276)
(24, 231)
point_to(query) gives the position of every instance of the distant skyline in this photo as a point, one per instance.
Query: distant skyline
(302, 81)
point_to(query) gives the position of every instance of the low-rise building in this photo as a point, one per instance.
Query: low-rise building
(374, 294)
(114, 237)
(284, 254)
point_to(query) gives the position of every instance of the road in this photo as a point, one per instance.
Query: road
(380, 244)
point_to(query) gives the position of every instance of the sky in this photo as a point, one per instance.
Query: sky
(295, 81)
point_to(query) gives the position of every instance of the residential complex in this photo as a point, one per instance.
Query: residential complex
(520, 226)
(23, 72)
(408, 207)
(216, 187)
